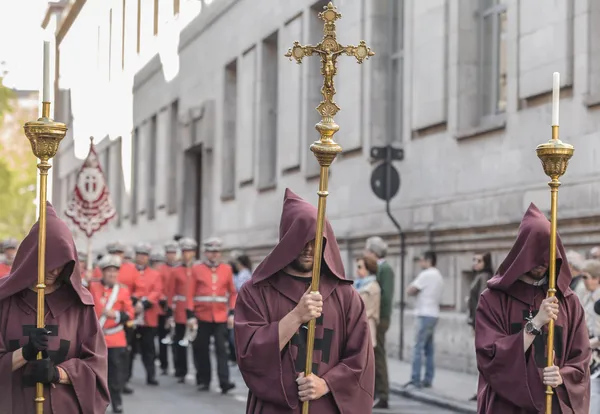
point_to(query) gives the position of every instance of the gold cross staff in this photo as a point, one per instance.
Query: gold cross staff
(325, 149)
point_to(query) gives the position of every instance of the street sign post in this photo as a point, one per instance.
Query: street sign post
(385, 183)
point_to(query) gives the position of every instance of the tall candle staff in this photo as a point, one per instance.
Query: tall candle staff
(555, 156)
(45, 136)
(325, 149)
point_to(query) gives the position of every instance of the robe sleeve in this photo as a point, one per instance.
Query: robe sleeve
(6, 375)
(352, 381)
(575, 391)
(501, 359)
(268, 372)
(88, 373)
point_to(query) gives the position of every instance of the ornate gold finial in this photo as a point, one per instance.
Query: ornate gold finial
(45, 136)
(328, 49)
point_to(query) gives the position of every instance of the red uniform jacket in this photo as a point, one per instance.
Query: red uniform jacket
(127, 275)
(114, 331)
(148, 287)
(178, 291)
(165, 271)
(4, 270)
(213, 293)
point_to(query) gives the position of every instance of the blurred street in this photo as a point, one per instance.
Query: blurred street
(171, 397)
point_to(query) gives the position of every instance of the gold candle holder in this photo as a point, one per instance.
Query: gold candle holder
(45, 136)
(555, 156)
(325, 149)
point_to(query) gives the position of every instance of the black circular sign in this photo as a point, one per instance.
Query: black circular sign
(383, 175)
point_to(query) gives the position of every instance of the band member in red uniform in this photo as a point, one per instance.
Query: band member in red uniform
(213, 301)
(10, 250)
(114, 309)
(160, 262)
(178, 292)
(127, 276)
(147, 291)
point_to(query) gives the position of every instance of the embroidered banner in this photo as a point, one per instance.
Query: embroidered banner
(90, 207)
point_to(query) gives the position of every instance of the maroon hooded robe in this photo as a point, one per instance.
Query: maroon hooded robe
(510, 379)
(343, 354)
(76, 343)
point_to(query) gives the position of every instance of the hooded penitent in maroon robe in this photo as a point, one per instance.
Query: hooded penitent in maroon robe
(76, 343)
(343, 354)
(510, 379)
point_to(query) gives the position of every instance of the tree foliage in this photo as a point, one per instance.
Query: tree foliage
(6, 96)
(18, 172)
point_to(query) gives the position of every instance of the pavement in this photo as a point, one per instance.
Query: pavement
(170, 397)
(450, 393)
(450, 390)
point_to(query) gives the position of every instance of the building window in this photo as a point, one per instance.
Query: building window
(110, 31)
(151, 189)
(267, 156)
(135, 173)
(396, 109)
(155, 17)
(123, 35)
(106, 165)
(173, 149)
(118, 191)
(229, 131)
(492, 59)
(139, 26)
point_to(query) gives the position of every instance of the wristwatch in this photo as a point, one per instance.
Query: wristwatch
(531, 329)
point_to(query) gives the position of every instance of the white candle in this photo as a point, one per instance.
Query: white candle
(46, 87)
(555, 97)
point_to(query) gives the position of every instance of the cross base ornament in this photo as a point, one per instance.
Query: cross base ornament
(325, 149)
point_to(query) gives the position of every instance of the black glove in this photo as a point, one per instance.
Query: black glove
(38, 342)
(169, 312)
(147, 305)
(44, 371)
(190, 314)
(163, 304)
(134, 300)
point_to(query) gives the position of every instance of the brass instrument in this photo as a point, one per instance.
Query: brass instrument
(45, 136)
(170, 327)
(191, 332)
(554, 156)
(325, 149)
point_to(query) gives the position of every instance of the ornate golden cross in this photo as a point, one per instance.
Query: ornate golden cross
(325, 149)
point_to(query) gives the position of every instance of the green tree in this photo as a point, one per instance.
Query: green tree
(6, 96)
(18, 174)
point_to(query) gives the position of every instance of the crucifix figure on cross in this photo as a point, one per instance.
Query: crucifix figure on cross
(325, 149)
(329, 49)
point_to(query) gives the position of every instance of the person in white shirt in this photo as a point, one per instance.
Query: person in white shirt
(427, 288)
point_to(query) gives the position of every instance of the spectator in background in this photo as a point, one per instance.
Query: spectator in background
(376, 248)
(482, 267)
(242, 272)
(427, 287)
(370, 292)
(591, 279)
(576, 261)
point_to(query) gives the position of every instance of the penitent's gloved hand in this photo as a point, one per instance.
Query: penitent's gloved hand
(38, 342)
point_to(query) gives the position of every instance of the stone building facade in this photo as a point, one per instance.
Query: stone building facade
(201, 123)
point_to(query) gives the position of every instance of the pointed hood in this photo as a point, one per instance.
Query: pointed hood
(297, 227)
(60, 250)
(532, 249)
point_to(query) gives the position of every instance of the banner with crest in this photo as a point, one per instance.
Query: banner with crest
(90, 207)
